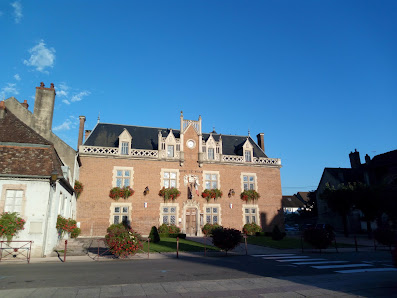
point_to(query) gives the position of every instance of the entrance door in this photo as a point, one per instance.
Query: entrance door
(191, 222)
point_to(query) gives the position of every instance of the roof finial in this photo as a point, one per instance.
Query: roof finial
(99, 116)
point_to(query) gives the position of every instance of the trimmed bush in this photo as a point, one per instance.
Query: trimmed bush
(384, 235)
(122, 240)
(168, 229)
(260, 234)
(319, 238)
(75, 233)
(276, 234)
(208, 228)
(154, 235)
(226, 239)
(251, 229)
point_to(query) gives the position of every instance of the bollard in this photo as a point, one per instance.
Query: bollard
(177, 247)
(374, 244)
(205, 246)
(246, 247)
(355, 243)
(148, 247)
(64, 253)
(302, 243)
(97, 241)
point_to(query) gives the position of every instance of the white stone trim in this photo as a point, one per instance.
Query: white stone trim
(114, 177)
(169, 204)
(13, 187)
(119, 204)
(258, 222)
(248, 174)
(169, 170)
(211, 205)
(212, 172)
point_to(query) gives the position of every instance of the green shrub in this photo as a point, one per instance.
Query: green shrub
(180, 235)
(75, 233)
(384, 235)
(319, 238)
(251, 229)
(164, 235)
(154, 235)
(208, 228)
(122, 241)
(168, 229)
(225, 238)
(276, 234)
(67, 225)
(260, 234)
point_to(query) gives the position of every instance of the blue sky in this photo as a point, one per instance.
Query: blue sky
(318, 78)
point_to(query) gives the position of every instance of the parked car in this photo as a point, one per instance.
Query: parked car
(291, 228)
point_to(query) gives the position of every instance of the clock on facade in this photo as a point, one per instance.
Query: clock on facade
(190, 144)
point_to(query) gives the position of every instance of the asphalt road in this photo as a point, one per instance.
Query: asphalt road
(117, 272)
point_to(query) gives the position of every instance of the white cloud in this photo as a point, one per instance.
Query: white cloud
(17, 11)
(41, 57)
(68, 124)
(9, 89)
(66, 101)
(79, 96)
(17, 77)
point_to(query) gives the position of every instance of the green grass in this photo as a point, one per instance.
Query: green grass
(286, 243)
(169, 245)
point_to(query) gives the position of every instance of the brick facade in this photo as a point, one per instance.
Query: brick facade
(94, 207)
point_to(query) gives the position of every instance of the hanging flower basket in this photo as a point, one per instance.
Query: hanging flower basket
(169, 193)
(209, 194)
(121, 192)
(78, 188)
(249, 195)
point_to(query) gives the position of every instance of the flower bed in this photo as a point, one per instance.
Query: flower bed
(121, 192)
(209, 194)
(10, 224)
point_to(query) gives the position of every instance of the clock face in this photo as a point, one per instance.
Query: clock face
(190, 144)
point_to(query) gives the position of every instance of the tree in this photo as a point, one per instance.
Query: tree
(310, 208)
(340, 200)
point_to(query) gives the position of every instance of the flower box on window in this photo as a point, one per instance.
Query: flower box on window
(209, 194)
(121, 192)
(170, 193)
(249, 195)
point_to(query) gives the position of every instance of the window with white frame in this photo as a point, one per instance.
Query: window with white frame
(212, 214)
(124, 148)
(169, 215)
(211, 154)
(13, 201)
(210, 180)
(123, 177)
(170, 179)
(251, 215)
(249, 182)
(170, 151)
(248, 156)
(120, 213)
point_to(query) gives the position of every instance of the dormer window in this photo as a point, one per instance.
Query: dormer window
(170, 151)
(124, 148)
(211, 154)
(248, 156)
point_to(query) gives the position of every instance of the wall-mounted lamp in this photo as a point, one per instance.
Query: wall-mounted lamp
(54, 177)
(145, 204)
(146, 191)
(231, 193)
(231, 206)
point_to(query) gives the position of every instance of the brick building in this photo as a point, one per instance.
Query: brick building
(151, 158)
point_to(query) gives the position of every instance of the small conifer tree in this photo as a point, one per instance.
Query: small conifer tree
(276, 233)
(154, 235)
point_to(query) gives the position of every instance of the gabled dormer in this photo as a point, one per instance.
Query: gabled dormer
(125, 140)
(212, 149)
(169, 146)
(248, 151)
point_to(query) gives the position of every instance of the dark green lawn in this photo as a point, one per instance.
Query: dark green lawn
(169, 245)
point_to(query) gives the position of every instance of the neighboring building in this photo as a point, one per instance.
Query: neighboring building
(152, 158)
(292, 204)
(382, 169)
(35, 180)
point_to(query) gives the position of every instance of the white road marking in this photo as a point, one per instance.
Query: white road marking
(341, 266)
(294, 260)
(273, 255)
(366, 270)
(322, 262)
(290, 257)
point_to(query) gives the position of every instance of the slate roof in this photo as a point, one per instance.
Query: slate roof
(106, 135)
(23, 151)
(346, 175)
(291, 202)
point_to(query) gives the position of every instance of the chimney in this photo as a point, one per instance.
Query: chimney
(44, 107)
(25, 104)
(81, 132)
(2, 109)
(355, 159)
(87, 134)
(367, 159)
(261, 141)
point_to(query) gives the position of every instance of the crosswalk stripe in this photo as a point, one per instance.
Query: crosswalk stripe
(341, 266)
(366, 270)
(318, 263)
(273, 255)
(294, 260)
(290, 257)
